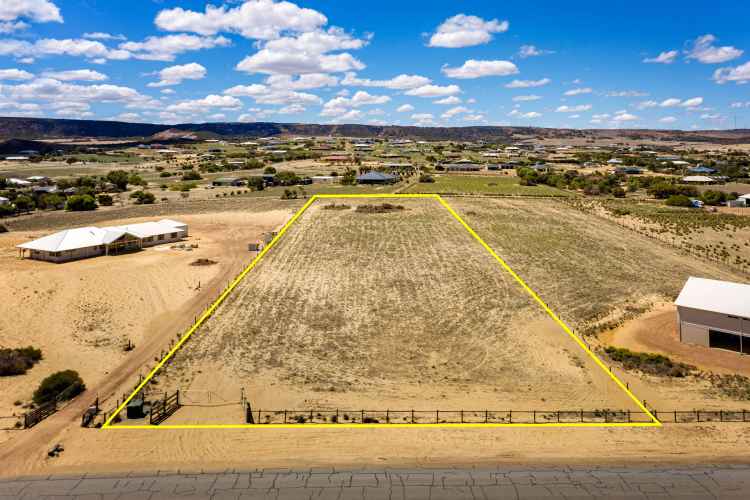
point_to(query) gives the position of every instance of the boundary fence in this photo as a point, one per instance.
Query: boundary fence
(162, 409)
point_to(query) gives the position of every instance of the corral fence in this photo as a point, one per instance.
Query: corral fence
(162, 409)
(33, 417)
(695, 416)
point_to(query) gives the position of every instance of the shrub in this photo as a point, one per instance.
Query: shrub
(143, 197)
(105, 200)
(17, 361)
(65, 385)
(713, 198)
(289, 194)
(255, 183)
(191, 175)
(618, 192)
(679, 200)
(269, 170)
(426, 178)
(80, 203)
(652, 364)
(378, 209)
(119, 178)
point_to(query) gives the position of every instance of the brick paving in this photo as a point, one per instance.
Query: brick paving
(714, 481)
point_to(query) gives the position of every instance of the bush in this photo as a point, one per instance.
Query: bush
(191, 175)
(652, 364)
(379, 209)
(64, 385)
(426, 178)
(256, 183)
(143, 197)
(7, 210)
(17, 361)
(269, 170)
(289, 194)
(713, 198)
(618, 192)
(80, 203)
(679, 200)
(105, 200)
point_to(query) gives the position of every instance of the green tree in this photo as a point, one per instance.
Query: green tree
(269, 170)
(64, 385)
(143, 198)
(105, 200)
(119, 178)
(52, 200)
(713, 197)
(80, 203)
(24, 203)
(679, 200)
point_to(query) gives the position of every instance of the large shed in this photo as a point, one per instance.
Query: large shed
(714, 313)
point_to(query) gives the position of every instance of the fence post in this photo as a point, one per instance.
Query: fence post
(462, 416)
(284, 416)
(387, 417)
(486, 416)
(437, 416)
(412, 416)
(534, 416)
(510, 416)
(362, 421)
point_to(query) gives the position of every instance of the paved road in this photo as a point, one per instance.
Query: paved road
(726, 481)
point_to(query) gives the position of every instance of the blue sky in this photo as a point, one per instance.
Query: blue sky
(584, 64)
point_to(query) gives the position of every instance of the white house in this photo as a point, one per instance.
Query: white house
(714, 313)
(83, 242)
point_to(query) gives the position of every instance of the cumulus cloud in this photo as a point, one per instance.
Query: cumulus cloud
(256, 19)
(703, 50)
(263, 94)
(15, 74)
(529, 115)
(476, 69)
(302, 82)
(674, 102)
(306, 53)
(11, 26)
(625, 93)
(212, 101)
(622, 116)
(525, 84)
(455, 111)
(578, 91)
(667, 57)
(79, 75)
(434, 91)
(573, 109)
(174, 75)
(55, 91)
(423, 119)
(405, 108)
(400, 82)
(450, 100)
(166, 48)
(98, 35)
(465, 31)
(340, 106)
(739, 74)
(667, 119)
(41, 11)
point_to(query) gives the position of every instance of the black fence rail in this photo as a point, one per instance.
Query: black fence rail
(33, 417)
(162, 409)
(695, 416)
(443, 416)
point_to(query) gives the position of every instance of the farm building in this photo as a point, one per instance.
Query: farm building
(714, 314)
(376, 178)
(84, 242)
(322, 179)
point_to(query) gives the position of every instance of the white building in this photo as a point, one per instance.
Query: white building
(4, 201)
(83, 242)
(714, 314)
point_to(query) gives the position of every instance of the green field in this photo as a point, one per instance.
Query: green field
(483, 184)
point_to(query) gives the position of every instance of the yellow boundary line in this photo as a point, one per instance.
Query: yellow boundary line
(207, 314)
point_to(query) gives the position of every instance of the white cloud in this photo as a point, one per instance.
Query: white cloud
(48, 46)
(691, 103)
(292, 109)
(670, 103)
(42, 11)
(256, 19)
(302, 82)
(209, 102)
(525, 84)
(476, 69)
(55, 91)
(739, 74)
(478, 117)
(15, 74)
(128, 117)
(646, 104)
(455, 111)
(400, 82)
(667, 57)
(98, 35)
(167, 91)
(738, 104)
(625, 93)
(667, 119)
(175, 75)
(573, 109)
(341, 106)
(518, 114)
(80, 75)
(464, 31)
(673, 102)
(10, 26)
(624, 117)
(305, 53)
(166, 48)
(703, 50)
(532, 51)
(578, 91)
(434, 91)
(423, 118)
(405, 108)
(448, 100)
(263, 94)
(217, 117)
(526, 98)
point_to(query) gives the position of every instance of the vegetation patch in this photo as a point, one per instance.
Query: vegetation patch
(651, 364)
(334, 206)
(382, 208)
(732, 386)
(60, 386)
(18, 361)
(203, 262)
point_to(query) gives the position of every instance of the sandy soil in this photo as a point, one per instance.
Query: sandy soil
(81, 314)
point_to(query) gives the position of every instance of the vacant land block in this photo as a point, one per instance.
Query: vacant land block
(370, 308)
(483, 184)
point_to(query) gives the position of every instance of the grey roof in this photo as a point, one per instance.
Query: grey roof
(375, 176)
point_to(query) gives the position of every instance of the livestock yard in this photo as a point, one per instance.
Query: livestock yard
(361, 312)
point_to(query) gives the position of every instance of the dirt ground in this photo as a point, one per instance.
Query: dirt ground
(81, 314)
(595, 272)
(397, 310)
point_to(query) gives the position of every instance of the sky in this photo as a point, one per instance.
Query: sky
(587, 64)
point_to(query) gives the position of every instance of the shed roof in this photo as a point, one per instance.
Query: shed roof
(722, 297)
(375, 176)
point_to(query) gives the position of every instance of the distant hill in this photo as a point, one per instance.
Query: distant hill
(47, 128)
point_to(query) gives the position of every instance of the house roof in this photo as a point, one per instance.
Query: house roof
(85, 237)
(375, 176)
(722, 297)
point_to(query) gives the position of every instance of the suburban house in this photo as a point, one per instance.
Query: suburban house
(461, 167)
(84, 242)
(376, 178)
(714, 313)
